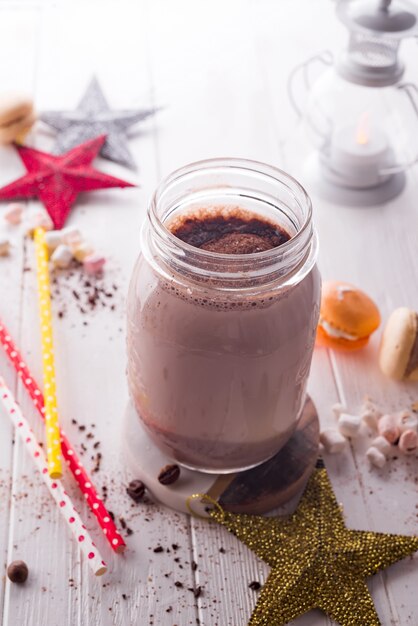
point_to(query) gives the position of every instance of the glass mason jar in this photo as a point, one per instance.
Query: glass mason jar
(220, 345)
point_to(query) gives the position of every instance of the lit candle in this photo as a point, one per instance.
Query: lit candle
(359, 153)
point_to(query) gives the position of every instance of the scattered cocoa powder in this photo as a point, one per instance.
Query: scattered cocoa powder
(87, 294)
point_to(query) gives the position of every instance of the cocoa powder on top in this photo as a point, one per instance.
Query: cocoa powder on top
(232, 231)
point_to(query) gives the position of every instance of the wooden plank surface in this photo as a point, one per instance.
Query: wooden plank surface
(219, 71)
(19, 76)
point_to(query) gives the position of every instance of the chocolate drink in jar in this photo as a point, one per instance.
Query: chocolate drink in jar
(223, 308)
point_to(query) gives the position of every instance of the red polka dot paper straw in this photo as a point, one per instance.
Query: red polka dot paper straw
(86, 485)
(55, 487)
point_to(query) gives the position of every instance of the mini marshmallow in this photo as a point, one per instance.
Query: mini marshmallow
(93, 264)
(370, 413)
(53, 239)
(71, 235)
(349, 425)
(376, 457)
(370, 419)
(43, 220)
(62, 257)
(408, 442)
(388, 428)
(14, 213)
(369, 405)
(40, 219)
(4, 246)
(338, 408)
(332, 441)
(382, 444)
(407, 421)
(81, 251)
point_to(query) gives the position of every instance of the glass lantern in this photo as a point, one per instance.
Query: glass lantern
(359, 116)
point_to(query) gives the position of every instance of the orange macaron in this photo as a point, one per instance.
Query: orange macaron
(347, 317)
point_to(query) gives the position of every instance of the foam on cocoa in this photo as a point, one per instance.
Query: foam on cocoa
(228, 230)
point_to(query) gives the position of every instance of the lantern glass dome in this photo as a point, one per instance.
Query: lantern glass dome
(334, 104)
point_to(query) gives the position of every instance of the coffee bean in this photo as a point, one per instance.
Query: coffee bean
(17, 571)
(255, 585)
(136, 490)
(169, 474)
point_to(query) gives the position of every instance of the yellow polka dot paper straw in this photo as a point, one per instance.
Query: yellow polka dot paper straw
(53, 444)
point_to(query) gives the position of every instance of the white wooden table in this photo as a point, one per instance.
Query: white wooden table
(219, 70)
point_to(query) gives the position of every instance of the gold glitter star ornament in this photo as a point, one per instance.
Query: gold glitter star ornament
(316, 561)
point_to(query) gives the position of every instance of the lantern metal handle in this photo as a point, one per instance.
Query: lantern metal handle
(411, 92)
(325, 58)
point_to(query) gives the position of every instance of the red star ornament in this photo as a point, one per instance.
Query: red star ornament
(57, 180)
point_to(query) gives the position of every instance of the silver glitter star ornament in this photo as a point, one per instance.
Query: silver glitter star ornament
(94, 117)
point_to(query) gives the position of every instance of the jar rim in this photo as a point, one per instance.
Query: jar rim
(250, 165)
